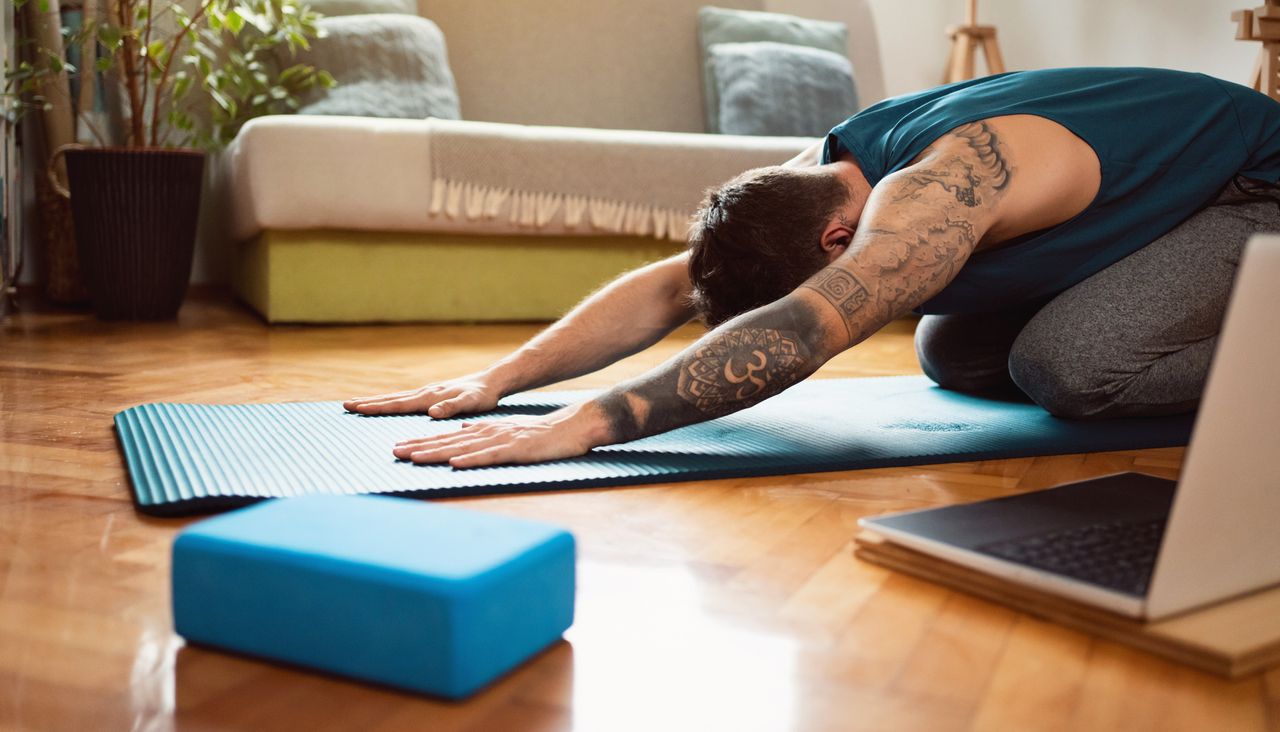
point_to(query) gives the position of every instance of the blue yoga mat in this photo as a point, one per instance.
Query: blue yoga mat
(190, 458)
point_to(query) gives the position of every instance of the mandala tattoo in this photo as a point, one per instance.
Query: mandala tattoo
(845, 293)
(740, 368)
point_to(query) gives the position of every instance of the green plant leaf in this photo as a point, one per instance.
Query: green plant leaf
(103, 64)
(181, 85)
(235, 22)
(110, 37)
(220, 99)
(205, 51)
(232, 64)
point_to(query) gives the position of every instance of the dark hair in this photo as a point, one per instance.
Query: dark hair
(757, 237)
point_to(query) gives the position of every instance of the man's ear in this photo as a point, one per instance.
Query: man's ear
(836, 238)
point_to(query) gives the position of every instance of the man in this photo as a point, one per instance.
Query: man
(1070, 232)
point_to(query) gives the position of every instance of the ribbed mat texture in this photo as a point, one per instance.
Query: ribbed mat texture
(191, 458)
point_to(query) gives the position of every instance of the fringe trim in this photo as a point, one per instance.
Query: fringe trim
(474, 202)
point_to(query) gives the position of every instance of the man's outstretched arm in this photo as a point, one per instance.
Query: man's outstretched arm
(626, 316)
(918, 229)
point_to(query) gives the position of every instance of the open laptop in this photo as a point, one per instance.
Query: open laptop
(1135, 544)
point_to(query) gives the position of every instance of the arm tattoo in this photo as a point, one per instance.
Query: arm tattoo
(739, 364)
(964, 176)
(742, 366)
(986, 146)
(926, 221)
(844, 291)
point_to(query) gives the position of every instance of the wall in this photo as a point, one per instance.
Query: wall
(1195, 35)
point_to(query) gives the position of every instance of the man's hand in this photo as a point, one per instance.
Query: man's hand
(565, 433)
(464, 395)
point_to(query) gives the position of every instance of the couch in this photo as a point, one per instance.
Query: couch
(347, 219)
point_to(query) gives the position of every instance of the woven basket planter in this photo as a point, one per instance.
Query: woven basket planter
(135, 213)
(58, 256)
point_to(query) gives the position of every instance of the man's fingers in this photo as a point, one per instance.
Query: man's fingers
(404, 448)
(377, 406)
(382, 397)
(449, 407)
(353, 403)
(490, 442)
(417, 401)
(444, 453)
(496, 455)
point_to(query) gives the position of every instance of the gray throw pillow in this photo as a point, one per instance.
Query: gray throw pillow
(385, 65)
(720, 25)
(779, 89)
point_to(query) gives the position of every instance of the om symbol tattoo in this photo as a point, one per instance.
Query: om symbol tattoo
(755, 384)
(740, 368)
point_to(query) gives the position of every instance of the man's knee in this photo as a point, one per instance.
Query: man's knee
(950, 357)
(1066, 385)
(946, 371)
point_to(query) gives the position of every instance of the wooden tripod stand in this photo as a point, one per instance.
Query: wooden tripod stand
(965, 40)
(1262, 24)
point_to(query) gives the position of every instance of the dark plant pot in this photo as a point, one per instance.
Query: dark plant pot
(135, 212)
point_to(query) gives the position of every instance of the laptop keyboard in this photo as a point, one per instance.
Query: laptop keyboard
(1118, 555)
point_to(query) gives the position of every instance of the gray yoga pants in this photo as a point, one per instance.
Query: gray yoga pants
(1135, 339)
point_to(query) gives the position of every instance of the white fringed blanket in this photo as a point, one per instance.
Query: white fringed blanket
(482, 178)
(584, 180)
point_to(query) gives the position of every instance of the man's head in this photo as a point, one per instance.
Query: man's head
(757, 237)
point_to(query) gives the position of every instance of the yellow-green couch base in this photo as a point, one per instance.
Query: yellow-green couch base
(327, 276)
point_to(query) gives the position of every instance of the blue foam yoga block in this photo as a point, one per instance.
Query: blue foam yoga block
(389, 590)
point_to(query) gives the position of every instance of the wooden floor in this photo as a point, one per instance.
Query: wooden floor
(728, 605)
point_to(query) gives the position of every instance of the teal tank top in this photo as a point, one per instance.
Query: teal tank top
(1168, 142)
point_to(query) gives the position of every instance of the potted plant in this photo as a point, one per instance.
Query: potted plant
(186, 82)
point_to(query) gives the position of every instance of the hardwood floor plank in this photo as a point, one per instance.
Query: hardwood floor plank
(1271, 690)
(1127, 689)
(1038, 679)
(955, 656)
